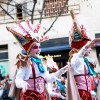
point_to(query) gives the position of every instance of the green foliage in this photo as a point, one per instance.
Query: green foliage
(3, 71)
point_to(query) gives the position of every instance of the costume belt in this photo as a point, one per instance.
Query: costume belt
(81, 75)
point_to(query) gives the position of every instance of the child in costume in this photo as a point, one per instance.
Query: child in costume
(31, 74)
(82, 65)
(53, 87)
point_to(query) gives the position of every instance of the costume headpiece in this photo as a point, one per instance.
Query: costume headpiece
(26, 34)
(78, 36)
(52, 66)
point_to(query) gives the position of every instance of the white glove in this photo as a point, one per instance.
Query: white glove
(25, 86)
(62, 70)
(62, 97)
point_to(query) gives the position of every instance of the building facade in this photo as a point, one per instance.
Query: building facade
(86, 13)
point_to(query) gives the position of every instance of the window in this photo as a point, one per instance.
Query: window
(19, 11)
(54, 7)
(4, 62)
(3, 52)
(97, 35)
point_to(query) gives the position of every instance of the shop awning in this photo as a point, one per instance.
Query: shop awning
(57, 44)
(98, 43)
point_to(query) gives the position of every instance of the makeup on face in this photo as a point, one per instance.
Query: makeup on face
(36, 47)
(35, 50)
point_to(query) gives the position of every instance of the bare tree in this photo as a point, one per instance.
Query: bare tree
(33, 9)
(28, 11)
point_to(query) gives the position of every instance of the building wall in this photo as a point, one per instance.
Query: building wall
(13, 49)
(88, 16)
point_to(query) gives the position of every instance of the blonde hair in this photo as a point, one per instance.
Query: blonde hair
(23, 60)
(74, 50)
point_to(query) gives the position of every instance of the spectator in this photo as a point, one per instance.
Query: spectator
(6, 85)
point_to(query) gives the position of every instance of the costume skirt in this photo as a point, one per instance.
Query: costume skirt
(85, 95)
(55, 98)
(32, 95)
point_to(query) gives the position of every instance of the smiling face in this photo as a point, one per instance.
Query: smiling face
(35, 50)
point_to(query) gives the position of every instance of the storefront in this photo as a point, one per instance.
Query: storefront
(58, 48)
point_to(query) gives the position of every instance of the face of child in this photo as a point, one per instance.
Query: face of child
(88, 51)
(35, 50)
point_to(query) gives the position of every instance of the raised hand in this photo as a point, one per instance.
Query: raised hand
(93, 43)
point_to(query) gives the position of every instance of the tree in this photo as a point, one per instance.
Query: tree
(29, 12)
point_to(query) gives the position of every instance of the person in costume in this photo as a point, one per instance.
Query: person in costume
(31, 74)
(53, 87)
(82, 65)
(98, 88)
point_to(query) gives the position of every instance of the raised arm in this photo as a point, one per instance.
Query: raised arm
(93, 43)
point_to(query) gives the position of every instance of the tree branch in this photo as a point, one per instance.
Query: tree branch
(56, 18)
(6, 12)
(33, 9)
(42, 11)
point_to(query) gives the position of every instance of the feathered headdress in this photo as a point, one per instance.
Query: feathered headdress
(26, 34)
(78, 36)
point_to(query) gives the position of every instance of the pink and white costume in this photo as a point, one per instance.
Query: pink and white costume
(31, 74)
(80, 62)
(25, 73)
(80, 70)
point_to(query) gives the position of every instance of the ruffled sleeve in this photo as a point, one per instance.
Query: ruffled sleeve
(20, 77)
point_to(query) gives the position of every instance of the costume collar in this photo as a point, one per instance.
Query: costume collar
(90, 68)
(38, 61)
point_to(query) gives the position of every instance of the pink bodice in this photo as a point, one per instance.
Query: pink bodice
(39, 84)
(83, 83)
